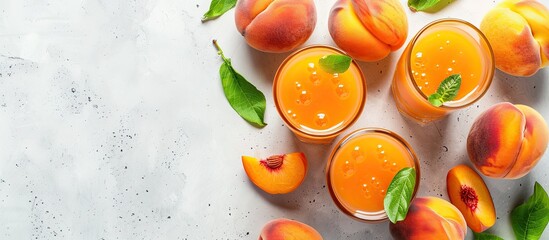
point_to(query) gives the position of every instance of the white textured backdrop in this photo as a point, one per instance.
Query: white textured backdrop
(113, 125)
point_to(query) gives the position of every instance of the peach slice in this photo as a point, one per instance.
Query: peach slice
(286, 229)
(469, 194)
(368, 30)
(507, 141)
(518, 31)
(277, 174)
(275, 26)
(430, 218)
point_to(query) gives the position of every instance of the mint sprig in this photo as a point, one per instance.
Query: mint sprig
(399, 194)
(218, 8)
(335, 63)
(530, 218)
(422, 5)
(243, 96)
(447, 90)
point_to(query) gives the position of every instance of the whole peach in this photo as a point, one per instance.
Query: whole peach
(286, 229)
(430, 218)
(507, 141)
(368, 30)
(518, 31)
(275, 26)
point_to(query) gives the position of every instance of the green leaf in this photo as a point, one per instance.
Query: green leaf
(218, 8)
(422, 5)
(243, 97)
(447, 90)
(399, 194)
(530, 218)
(335, 63)
(485, 236)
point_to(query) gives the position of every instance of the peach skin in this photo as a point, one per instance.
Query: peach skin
(430, 218)
(518, 31)
(469, 194)
(275, 26)
(368, 30)
(276, 174)
(507, 141)
(286, 229)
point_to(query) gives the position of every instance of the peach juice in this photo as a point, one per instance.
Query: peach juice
(315, 104)
(361, 167)
(441, 49)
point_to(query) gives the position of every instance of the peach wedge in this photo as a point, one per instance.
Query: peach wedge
(286, 229)
(430, 218)
(469, 194)
(275, 26)
(507, 141)
(276, 174)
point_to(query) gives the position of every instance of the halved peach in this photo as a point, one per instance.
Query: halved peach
(276, 174)
(430, 218)
(286, 229)
(469, 194)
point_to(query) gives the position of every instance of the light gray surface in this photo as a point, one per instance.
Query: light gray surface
(113, 125)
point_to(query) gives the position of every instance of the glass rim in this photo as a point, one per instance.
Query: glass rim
(491, 69)
(345, 126)
(376, 216)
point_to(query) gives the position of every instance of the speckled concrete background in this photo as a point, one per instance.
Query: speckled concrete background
(113, 125)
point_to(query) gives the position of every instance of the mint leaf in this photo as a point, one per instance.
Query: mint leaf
(421, 5)
(530, 218)
(243, 97)
(218, 8)
(335, 63)
(447, 90)
(399, 194)
(485, 236)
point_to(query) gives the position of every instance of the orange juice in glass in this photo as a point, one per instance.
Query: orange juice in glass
(316, 105)
(361, 167)
(442, 48)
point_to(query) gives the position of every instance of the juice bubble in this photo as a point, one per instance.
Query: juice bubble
(314, 78)
(348, 169)
(381, 154)
(311, 67)
(358, 155)
(321, 120)
(366, 190)
(394, 167)
(297, 85)
(386, 164)
(304, 98)
(335, 78)
(342, 91)
(419, 55)
(293, 115)
(382, 192)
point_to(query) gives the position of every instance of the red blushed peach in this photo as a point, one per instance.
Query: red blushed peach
(469, 194)
(368, 30)
(518, 31)
(507, 141)
(275, 26)
(286, 229)
(276, 174)
(430, 218)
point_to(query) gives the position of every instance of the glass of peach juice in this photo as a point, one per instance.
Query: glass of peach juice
(316, 105)
(442, 48)
(361, 167)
